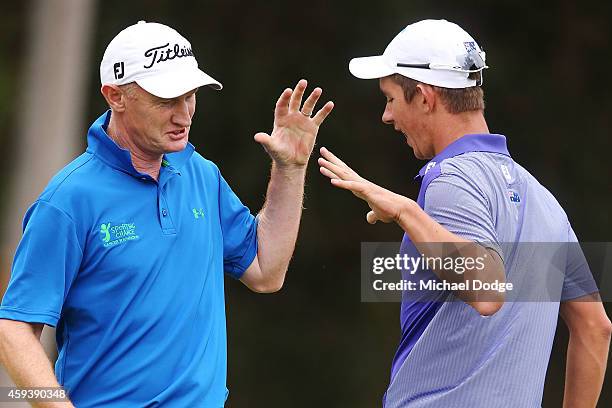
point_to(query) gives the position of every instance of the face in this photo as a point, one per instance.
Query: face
(157, 125)
(406, 117)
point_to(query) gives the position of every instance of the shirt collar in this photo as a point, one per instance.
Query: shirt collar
(486, 142)
(100, 144)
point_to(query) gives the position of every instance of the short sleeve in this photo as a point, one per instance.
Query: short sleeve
(578, 280)
(45, 265)
(239, 229)
(460, 207)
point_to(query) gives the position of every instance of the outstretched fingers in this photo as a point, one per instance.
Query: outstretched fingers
(354, 186)
(359, 188)
(323, 113)
(342, 172)
(282, 104)
(291, 100)
(311, 101)
(329, 156)
(328, 173)
(296, 97)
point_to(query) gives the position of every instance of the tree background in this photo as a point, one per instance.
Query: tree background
(315, 343)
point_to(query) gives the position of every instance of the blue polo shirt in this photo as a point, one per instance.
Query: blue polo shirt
(131, 271)
(450, 356)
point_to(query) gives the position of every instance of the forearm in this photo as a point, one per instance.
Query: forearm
(435, 241)
(25, 360)
(587, 355)
(279, 221)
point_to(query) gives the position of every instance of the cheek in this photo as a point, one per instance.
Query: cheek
(403, 121)
(163, 118)
(408, 118)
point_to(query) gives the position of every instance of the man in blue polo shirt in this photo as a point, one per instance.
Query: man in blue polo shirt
(467, 347)
(124, 251)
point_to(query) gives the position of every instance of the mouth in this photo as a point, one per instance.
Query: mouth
(403, 134)
(177, 134)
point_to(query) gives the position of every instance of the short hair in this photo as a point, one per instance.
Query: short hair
(130, 89)
(456, 100)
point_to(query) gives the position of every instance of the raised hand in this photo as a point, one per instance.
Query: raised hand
(386, 205)
(295, 131)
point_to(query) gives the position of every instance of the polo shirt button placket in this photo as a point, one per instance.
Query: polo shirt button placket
(164, 213)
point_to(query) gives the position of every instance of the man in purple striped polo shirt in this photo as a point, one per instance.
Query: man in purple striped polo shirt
(469, 347)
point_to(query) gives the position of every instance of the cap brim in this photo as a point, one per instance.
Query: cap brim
(173, 84)
(370, 67)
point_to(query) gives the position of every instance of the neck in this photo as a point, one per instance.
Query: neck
(142, 161)
(454, 126)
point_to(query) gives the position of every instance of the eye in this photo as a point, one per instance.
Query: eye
(166, 102)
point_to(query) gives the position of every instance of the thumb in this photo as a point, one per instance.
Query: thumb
(371, 217)
(262, 138)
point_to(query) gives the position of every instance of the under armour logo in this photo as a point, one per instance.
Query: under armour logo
(119, 70)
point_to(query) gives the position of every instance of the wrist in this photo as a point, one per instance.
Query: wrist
(289, 170)
(407, 212)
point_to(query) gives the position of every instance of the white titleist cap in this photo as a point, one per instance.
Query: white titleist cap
(435, 52)
(157, 58)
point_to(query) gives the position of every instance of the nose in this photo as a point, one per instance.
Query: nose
(387, 116)
(182, 114)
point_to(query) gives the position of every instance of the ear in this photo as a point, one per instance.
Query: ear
(427, 97)
(115, 98)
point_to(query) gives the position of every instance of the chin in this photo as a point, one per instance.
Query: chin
(419, 155)
(176, 145)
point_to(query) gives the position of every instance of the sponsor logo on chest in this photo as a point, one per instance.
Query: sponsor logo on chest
(117, 234)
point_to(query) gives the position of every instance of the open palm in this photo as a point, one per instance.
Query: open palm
(295, 131)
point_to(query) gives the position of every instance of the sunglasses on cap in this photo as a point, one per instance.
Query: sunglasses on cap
(474, 62)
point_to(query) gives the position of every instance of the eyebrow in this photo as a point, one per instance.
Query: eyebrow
(163, 100)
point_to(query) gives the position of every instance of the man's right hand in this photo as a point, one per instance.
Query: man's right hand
(385, 205)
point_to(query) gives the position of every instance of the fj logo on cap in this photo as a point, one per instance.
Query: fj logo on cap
(119, 70)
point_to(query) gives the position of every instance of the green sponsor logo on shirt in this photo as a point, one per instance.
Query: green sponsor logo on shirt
(104, 230)
(112, 235)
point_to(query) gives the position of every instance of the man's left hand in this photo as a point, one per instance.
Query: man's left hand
(295, 131)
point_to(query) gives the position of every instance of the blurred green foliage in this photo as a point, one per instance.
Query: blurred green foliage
(314, 344)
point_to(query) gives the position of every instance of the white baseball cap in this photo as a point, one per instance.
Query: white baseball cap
(435, 52)
(157, 58)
